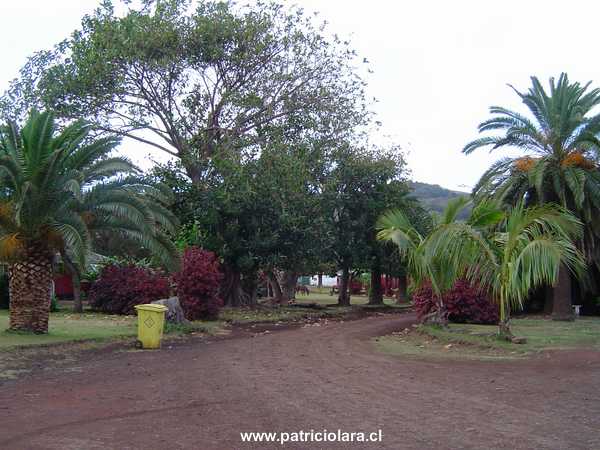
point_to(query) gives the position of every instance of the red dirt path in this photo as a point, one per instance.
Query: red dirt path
(202, 394)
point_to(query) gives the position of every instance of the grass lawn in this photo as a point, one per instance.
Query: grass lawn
(279, 314)
(481, 342)
(69, 327)
(322, 297)
(66, 326)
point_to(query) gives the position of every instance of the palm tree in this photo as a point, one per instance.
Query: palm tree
(510, 254)
(560, 164)
(395, 226)
(57, 192)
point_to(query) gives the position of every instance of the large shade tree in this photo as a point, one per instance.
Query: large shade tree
(261, 215)
(560, 165)
(59, 190)
(193, 82)
(360, 184)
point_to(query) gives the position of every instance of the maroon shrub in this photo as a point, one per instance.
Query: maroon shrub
(119, 288)
(464, 303)
(198, 284)
(356, 287)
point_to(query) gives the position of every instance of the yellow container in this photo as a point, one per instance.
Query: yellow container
(151, 322)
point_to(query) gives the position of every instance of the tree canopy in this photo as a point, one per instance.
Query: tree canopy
(193, 83)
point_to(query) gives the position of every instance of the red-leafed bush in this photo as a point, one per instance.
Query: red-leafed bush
(356, 287)
(198, 284)
(464, 303)
(119, 288)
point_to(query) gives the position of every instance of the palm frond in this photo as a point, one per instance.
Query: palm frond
(453, 208)
(58, 186)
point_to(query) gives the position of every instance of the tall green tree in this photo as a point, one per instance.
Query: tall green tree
(195, 82)
(360, 184)
(290, 225)
(260, 214)
(58, 190)
(560, 139)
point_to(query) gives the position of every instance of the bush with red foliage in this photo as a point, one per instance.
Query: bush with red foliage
(356, 287)
(198, 284)
(464, 303)
(119, 288)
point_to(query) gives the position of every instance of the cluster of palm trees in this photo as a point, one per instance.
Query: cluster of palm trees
(507, 253)
(60, 191)
(535, 220)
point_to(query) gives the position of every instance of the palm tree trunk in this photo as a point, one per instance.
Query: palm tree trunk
(441, 318)
(562, 308)
(30, 285)
(376, 292)
(402, 288)
(504, 331)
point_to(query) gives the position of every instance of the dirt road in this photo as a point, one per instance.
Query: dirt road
(203, 394)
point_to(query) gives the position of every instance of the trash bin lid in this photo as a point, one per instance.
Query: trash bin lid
(152, 307)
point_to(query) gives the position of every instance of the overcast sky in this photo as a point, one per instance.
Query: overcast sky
(438, 65)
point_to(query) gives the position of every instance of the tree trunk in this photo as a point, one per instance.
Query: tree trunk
(376, 292)
(76, 280)
(439, 316)
(232, 292)
(192, 169)
(320, 282)
(274, 283)
(561, 296)
(254, 295)
(250, 288)
(548, 299)
(504, 331)
(289, 280)
(175, 312)
(388, 286)
(401, 296)
(344, 295)
(30, 286)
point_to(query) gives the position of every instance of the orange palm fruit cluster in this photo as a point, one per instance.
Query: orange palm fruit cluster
(525, 164)
(576, 159)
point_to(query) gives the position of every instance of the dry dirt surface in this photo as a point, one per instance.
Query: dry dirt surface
(201, 395)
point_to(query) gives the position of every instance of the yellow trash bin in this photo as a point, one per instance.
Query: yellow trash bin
(151, 322)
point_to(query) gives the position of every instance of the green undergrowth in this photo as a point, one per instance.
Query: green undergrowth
(466, 341)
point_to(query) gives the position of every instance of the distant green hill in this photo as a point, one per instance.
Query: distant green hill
(434, 197)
